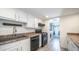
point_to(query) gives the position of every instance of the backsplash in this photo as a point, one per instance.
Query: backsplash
(24, 30)
(5, 30)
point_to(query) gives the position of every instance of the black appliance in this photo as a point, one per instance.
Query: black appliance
(34, 43)
(44, 38)
(38, 31)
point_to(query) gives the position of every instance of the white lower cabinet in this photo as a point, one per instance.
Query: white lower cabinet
(23, 45)
(72, 46)
(12, 49)
(40, 40)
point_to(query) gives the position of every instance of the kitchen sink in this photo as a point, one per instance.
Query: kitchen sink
(10, 37)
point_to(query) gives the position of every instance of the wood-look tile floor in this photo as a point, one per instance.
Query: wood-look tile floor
(53, 45)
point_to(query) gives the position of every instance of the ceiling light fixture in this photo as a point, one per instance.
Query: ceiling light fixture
(46, 16)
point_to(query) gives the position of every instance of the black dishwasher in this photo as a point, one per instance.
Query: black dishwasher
(34, 43)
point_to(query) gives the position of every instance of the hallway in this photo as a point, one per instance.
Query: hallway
(54, 45)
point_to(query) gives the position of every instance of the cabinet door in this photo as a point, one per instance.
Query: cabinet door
(8, 13)
(10, 46)
(72, 46)
(13, 49)
(31, 21)
(40, 20)
(25, 45)
(36, 22)
(21, 16)
(40, 40)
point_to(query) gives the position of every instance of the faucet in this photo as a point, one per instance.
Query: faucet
(14, 30)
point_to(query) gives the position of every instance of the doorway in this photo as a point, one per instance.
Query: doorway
(54, 28)
(55, 34)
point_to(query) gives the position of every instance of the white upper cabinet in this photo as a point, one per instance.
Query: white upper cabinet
(21, 16)
(31, 21)
(8, 13)
(36, 22)
(40, 20)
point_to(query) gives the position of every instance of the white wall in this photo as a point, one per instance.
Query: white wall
(68, 24)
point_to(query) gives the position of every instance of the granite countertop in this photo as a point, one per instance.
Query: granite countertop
(31, 34)
(74, 37)
(4, 39)
(12, 40)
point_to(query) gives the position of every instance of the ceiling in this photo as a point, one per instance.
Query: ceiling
(50, 12)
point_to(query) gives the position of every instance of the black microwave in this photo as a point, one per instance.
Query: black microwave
(38, 31)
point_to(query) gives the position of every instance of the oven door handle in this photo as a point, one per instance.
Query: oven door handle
(34, 38)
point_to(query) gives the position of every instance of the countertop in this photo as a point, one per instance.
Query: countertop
(31, 34)
(12, 40)
(74, 37)
(4, 39)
